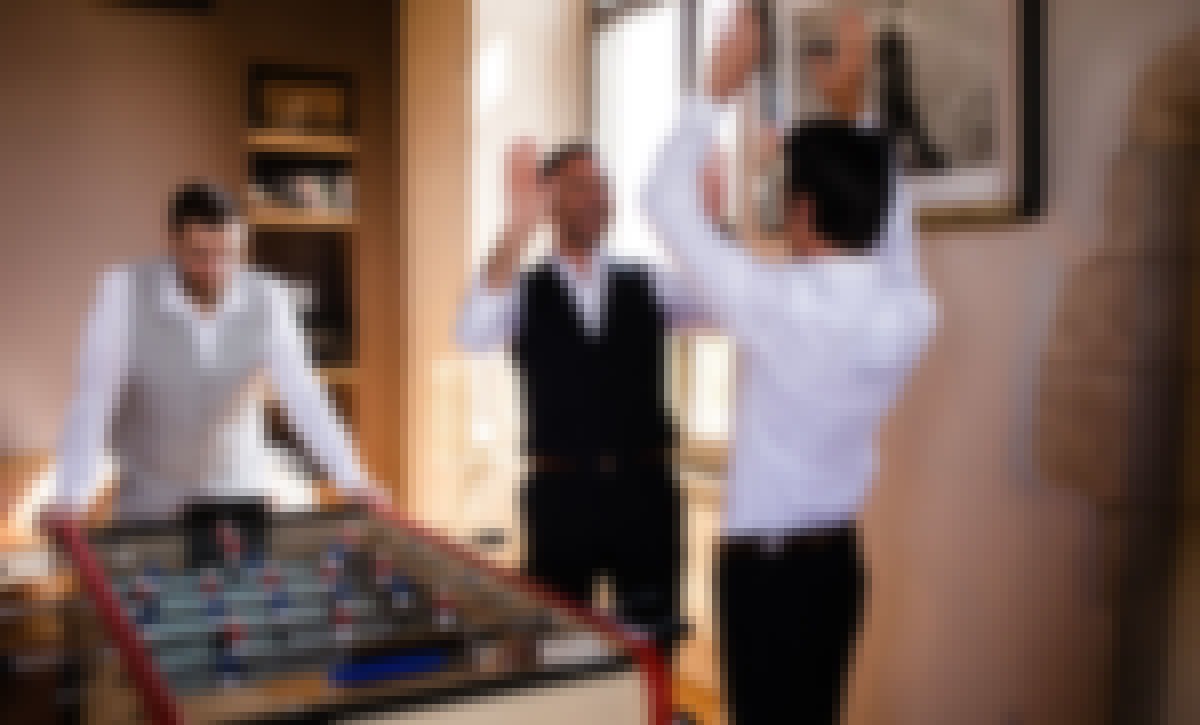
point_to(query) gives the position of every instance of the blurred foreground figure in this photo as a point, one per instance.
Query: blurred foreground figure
(588, 336)
(171, 360)
(827, 339)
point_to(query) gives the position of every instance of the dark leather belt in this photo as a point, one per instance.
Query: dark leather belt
(767, 545)
(598, 463)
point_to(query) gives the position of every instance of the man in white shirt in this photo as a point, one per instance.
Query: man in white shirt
(172, 357)
(827, 340)
(587, 334)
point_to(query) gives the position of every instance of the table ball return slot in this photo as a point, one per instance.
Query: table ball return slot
(234, 615)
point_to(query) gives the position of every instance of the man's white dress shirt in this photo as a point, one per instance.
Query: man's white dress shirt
(825, 346)
(488, 318)
(103, 366)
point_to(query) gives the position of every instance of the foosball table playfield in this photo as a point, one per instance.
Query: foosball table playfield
(233, 615)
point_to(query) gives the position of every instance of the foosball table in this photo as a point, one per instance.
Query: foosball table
(234, 615)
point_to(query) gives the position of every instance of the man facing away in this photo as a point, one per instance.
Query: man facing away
(587, 334)
(827, 339)
(171, 359)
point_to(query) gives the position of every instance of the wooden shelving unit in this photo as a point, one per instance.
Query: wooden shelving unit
(303, 222)
(284, 218)
(289, 141)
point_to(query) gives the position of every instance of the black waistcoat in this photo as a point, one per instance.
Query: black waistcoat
(593, 393)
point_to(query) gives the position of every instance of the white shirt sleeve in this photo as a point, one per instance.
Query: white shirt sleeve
(682, 305)
(303, 396)
(103, 360)
(897, 251)
(798, 327)
(488, 318)
(735, 285)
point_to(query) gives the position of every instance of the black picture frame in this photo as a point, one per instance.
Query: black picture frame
(1026, 200)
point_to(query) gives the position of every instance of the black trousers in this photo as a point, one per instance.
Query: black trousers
(788, 624)
(625, 524)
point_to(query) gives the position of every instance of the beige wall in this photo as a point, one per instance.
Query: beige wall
(989, 605)
(105, 112)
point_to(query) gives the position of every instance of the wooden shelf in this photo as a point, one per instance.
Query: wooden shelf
(286, 141)
(300, 219)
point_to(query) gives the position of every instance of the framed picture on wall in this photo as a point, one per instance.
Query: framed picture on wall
(301, 99)
(959, 83)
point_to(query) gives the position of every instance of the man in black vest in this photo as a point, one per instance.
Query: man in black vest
(588, 336)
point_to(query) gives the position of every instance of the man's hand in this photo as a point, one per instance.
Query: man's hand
(372, 497)
(525, 189)
(526, 205)
(54, 515)
(736, 55)
(841, 78)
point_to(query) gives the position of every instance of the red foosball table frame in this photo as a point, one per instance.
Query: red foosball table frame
(161, 706)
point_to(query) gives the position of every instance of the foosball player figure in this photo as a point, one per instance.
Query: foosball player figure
(278, 606)
(394, 585)
(331, 567)
(145, 594)
(211, 584)
(343, 622)
(231, 652)
(230, 541)
(216, 610)
(445, 610)
(271, 576)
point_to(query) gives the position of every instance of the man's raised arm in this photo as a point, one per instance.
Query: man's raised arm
(488, 316)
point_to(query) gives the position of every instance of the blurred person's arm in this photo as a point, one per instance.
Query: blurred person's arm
(102, 364)
(307, 404)
(800, 329)
(489, 315)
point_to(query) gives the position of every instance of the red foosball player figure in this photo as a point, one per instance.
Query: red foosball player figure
(445, 610)
(271, 577)
(230, 541)
(231, 662)
(331, 570)
(210, 584)
(383, 569)
(343, 622)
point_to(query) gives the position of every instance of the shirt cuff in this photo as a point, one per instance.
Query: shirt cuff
(701, 112)
(487, 304)
(354, 485)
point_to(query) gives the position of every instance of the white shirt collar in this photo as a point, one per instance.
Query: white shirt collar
(175, 300)
(599, 270)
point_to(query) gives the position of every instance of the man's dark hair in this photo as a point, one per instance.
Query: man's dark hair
(563, 154)
(200, 202)
(844, 172)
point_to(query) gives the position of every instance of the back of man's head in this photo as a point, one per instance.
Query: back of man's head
(844, 174)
